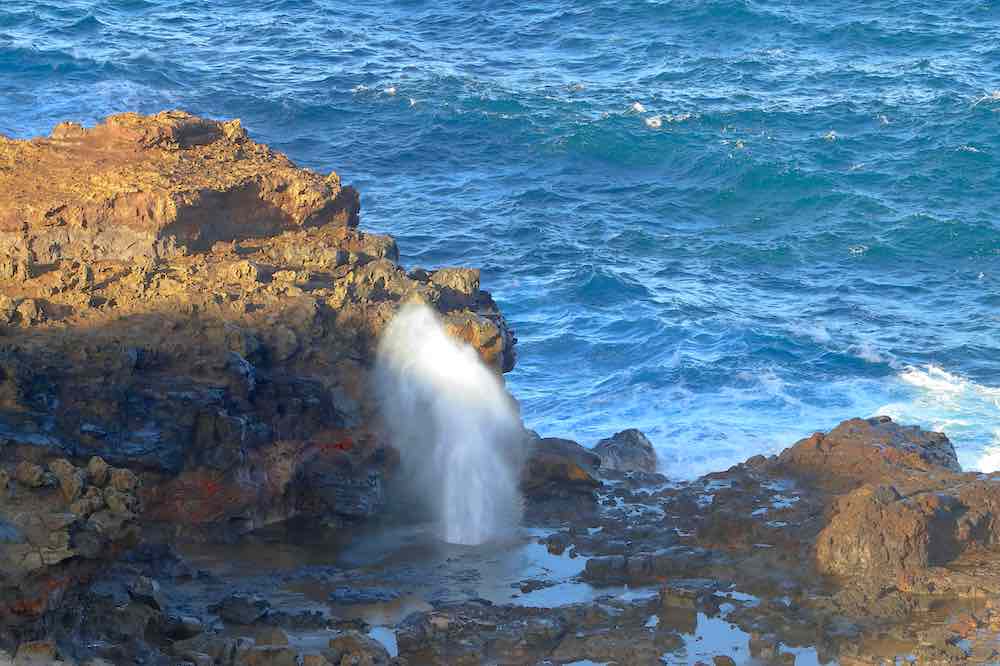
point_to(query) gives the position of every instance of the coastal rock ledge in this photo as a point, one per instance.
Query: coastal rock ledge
(188, 440)
(181, 301)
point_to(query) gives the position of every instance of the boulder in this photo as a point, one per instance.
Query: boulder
(355, 648)
(878, 534)
(241, 609)
(867, 450)
(627, 451)
(560, 468)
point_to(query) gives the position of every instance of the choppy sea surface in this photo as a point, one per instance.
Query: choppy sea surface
(726, 222)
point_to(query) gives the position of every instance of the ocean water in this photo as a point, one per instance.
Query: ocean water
(729, 223)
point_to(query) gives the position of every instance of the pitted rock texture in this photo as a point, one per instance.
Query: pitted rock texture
(627, 451)
(152, 187)
(867, 450)
(58, 524)
(187, 304)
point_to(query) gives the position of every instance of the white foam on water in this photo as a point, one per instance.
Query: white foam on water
(990, 460)
(456, 428)
(991, 96)
(679, 117)
(967, 412)
(866, 351)
(816, 330)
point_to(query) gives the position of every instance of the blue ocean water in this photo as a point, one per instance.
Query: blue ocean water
(727, 222)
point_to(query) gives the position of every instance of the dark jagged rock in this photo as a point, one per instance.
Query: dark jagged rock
(241, 609)
(352, 647)
(56, 534)
(628, 451)
(559, 468)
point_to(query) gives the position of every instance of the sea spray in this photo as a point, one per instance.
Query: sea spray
(947, 402)
(456, 428)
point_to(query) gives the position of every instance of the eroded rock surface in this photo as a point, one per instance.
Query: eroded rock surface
(627, 451)
(59, 524)
(190, 308)
(187, 323)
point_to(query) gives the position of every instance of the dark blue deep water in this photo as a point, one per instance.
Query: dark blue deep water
(727, 222)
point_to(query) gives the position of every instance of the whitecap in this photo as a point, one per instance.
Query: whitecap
(866, 351)
(967, 149)
(638, 107)
(679, 117)
(830, 136)
(391, 90)
(934, 378)
(967, 412)
(990, 460)
(815, 330)
(654, 122)
(858, 250)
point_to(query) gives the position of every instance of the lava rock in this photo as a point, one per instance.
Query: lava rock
(353, 647)
(241, 609)
(145, 590)
(627, 451)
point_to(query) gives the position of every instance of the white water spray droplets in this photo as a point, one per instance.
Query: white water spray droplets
(967, 412)
(458, 434)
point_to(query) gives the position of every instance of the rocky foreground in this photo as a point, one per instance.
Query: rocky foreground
(192, 469)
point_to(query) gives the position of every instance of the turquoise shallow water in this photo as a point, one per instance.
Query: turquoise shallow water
(728, 223)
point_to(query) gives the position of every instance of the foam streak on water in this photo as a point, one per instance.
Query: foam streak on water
(802, 204)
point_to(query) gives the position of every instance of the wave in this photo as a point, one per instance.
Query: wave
(968, 412)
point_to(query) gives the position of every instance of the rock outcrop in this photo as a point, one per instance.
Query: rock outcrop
(139, 187)
(58, 525)
(186, 304)
(187, 325)
(559, 469)
(907, 509)
(627, 451)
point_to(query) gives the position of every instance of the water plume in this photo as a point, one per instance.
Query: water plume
(456, 428)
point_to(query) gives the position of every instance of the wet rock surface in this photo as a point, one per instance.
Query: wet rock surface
(729, 568)
(192, 472)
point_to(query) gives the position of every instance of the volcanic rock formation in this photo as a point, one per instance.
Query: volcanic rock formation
(183, 302)
(188, 323)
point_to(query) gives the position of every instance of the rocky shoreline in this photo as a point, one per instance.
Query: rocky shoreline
(192, 470)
